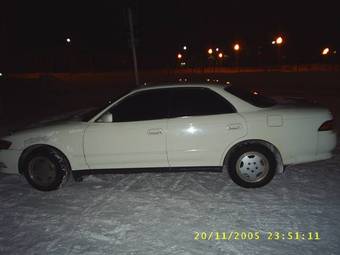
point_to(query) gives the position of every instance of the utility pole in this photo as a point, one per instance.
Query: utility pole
(133, 47)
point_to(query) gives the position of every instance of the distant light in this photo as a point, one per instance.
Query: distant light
(145, 83)
(255, 93)
(228, 82)
(220, 55)
(273, 42)
(185, 79)
(279, 40)
(180, 79)
(185, 47)
(179, 56)
(68, 40)
(1, 74)
(216, 80)
(325, 51)
(210, 51)
(236, 47)
(208, 80)
(334, 52)
(217, 49)
(183, 64)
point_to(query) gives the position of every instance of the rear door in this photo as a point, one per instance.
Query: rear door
(201, 126)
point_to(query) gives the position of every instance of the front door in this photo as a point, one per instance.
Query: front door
(135, 138)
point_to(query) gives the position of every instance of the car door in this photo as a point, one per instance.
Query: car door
(136, 136)
(201, 126)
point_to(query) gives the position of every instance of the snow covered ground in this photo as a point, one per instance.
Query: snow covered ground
(159, 213)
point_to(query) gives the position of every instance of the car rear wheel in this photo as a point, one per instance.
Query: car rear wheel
(251, 165)
(46, 169)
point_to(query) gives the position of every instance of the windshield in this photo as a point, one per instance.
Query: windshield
(253, 98)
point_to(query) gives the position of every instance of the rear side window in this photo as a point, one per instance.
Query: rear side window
(197, 102)
(251, 97)
(145, 105)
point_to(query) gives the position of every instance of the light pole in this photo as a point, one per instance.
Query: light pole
(69, 57)
(325, 54)
(211, 57)
(133, 47)
(220, 56)
(278, 41)
(236, 50)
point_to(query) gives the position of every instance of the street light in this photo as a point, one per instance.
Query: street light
(325, 51)
(185, 47)
(220, 55)
(217, 49)
(68, 40)
(236, 47)
(179, 56)
(279, 40)
(210, 51)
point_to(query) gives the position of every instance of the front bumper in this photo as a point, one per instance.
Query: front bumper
(9, 161)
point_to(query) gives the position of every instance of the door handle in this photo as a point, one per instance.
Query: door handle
(234, 126)
(155, 131)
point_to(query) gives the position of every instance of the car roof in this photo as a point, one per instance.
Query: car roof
(181, 85)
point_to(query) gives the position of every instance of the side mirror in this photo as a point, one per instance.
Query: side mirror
(106, 118)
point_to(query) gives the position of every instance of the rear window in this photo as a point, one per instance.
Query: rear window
(253, 98)
(198, 102)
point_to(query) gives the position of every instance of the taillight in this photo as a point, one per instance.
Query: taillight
(327, 126)
(4, 145)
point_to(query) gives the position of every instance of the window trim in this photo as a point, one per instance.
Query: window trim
(169, 103)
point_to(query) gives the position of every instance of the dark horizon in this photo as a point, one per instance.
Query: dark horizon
(31, 30)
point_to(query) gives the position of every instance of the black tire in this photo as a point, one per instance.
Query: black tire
(46, 169)
(251, 165)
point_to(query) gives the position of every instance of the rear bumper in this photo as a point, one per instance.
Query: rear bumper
(326, 144)
(9, 161)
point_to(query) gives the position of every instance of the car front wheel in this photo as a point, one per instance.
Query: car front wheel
(46, 169)
(252, 165)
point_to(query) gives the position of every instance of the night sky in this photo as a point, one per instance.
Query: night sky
(162, 27)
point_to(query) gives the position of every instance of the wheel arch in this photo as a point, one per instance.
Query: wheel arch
(36, 147)
(270, 146)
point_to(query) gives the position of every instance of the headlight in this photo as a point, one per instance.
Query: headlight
(4, 145)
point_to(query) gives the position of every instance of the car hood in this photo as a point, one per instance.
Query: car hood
(55, 125)
(46, 134)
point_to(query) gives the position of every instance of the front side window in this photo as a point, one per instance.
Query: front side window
(144, 105)
(198, 102)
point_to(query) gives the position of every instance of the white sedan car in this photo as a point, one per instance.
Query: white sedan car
(197, 126)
